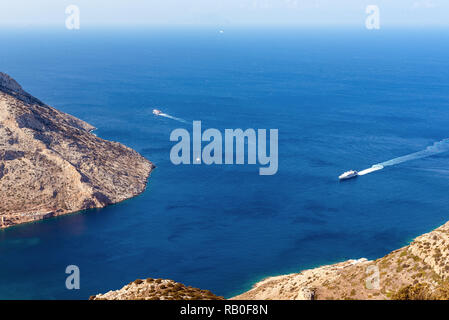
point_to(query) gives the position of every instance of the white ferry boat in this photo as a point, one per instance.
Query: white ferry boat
(348, 175)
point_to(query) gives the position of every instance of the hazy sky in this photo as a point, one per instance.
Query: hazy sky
(223, 13)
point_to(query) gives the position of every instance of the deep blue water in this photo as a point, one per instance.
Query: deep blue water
(341, 99)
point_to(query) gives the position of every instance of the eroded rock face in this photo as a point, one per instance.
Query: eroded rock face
(157, 289)
(51, 163)
(416, 271)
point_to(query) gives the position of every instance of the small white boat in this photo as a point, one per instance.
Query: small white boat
(157, 112)
(348, 175)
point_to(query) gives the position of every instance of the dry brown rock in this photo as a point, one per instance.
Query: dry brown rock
(51, 164)
(416, 271)
(422, 264)
(157, 289)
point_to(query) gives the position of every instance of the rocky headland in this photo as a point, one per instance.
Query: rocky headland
(51, 164)
(418, 271)
(157, 289)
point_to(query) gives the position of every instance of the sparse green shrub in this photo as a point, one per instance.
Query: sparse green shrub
(419, 291)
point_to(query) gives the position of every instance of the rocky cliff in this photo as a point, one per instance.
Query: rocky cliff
(51, 164)
(418, 271)
(157, 289)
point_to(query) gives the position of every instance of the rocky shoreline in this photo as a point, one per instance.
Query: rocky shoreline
(51, 164)
(157, 289)
(418, 271)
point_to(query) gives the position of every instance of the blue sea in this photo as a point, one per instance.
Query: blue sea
(341, 99)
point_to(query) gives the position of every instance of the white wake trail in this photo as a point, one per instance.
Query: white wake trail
(171, 117)
(369, 170)
(436, 148)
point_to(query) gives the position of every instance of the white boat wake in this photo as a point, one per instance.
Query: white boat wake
(436, 148)
(369, 170)
(160, 113)
(171, 117)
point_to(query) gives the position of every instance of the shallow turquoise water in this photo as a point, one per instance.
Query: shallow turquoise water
(341, 99)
